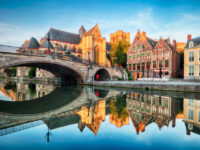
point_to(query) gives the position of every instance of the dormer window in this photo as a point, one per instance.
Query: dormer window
(191, 44)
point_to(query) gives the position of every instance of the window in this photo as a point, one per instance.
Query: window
(143, 66)
(129, 66)
(143, 55)
(148, 65)
(133, 57)
(190, 114)
(138, 66)
(191, 70)
(166, 73)
(148, 55)
(166, 63)
(167, 54)
(191, 56)
(160, 63)
(133, 66)
(154, 64)
(191, 44)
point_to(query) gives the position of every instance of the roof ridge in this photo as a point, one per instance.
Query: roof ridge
(62, 31)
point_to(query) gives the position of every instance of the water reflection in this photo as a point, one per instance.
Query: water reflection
(24, 91)
(89, 108)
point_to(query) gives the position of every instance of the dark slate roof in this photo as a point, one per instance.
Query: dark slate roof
(108, 46)
(195, 40)
(47, 44)
(196, 128)
(170, 46)
(63, 36)
(32, 43)
(151, 42)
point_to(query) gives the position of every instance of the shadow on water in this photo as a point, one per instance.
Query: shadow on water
(56, 99)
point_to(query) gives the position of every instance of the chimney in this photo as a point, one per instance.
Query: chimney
(174, 44)
(189, 37)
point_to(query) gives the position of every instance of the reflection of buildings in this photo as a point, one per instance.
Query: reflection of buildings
(118, 118)
(92, 116)
(22, 92)
(192, 115)
(145, 109)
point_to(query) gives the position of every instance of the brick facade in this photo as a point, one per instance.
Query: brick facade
(147, 58)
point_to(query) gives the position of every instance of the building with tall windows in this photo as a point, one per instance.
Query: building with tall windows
(119, 35)
(191, 115)
(89, 45)
(192, 58)
(149, 58)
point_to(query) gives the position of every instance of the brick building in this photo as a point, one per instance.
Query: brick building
(149, 58)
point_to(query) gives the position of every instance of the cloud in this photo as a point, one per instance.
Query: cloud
(14, 35)
(145, 20)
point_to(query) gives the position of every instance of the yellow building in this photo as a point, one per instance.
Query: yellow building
(191, 115)
(119, 35)
(89, 45)
(93, 47)
(92, 118)
(180, 46)
(192, 59)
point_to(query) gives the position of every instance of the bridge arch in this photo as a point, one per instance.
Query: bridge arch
(102, 75)
(69, 72)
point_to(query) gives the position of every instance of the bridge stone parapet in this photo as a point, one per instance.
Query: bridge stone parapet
(67, 69)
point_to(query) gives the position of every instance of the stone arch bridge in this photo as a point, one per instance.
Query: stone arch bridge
(68, 69)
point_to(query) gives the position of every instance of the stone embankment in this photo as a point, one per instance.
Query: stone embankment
(185, 86)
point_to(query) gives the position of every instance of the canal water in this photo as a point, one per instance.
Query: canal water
(47, 116)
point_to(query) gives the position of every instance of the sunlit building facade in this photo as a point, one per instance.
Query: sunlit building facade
(148, 58)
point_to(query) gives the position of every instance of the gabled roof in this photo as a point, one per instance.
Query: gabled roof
(93, 30)
(47, 44)
(195, 40)
(63, 36)
(32, 43)
(168, 44)
(151, 42)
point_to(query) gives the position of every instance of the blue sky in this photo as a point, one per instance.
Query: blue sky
(22, 19)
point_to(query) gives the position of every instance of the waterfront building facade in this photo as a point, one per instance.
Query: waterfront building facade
(149, 58)
(192, 58)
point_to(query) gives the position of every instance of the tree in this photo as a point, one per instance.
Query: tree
(118, 53)
(10, 72)
(32, 72)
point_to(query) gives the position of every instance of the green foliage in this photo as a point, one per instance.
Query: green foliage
(11, 86)
(118, 107)
(119, 53)
(32, 89)
(119, 79)
(130, 78)
(10, 72)
(32, 72)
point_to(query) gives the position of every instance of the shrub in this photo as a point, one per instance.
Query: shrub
(130, 78)
(119, 79)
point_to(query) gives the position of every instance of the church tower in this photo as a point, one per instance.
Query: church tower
(82, 31)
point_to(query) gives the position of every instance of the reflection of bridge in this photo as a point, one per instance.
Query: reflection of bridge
(68, 69)
(70, 100)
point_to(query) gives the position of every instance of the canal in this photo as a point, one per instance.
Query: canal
(53, 116)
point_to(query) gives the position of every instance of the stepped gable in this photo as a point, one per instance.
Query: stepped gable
(47, 44)
(63, 36)
(195, 40)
